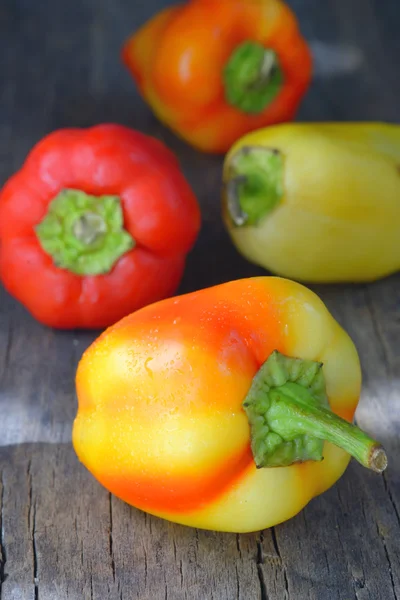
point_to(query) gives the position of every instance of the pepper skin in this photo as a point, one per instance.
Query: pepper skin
(213, 70)
(169, 405)
(317, 202)
(96, 224)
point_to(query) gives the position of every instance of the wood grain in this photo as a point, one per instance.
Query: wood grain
(62, 535)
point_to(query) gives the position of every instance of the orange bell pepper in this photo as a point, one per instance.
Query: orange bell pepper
(213, 70)
(184, 402)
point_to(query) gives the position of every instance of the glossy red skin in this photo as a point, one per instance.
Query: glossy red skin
(160, 212)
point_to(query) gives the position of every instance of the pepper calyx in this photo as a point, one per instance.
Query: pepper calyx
(290, 417)
(254, 184)
(84, 234)
(252, 77)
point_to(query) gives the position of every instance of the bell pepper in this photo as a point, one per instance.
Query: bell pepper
(317, 202)
(96, 224)
(213, 70)
(215, 409)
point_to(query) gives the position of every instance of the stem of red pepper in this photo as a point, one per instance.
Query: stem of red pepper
(252, 77)
(88, 228)
(290, 417)
(84, 234)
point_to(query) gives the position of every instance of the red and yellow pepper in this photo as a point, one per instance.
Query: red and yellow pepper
(213, 70)
(214, 409)
(97, 223)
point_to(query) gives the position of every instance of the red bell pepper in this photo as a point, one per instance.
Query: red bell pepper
(96, 224)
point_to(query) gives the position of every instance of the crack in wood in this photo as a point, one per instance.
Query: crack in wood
(3, 554)
(145, 567)
(110, 538)
(390, 495)
(278, 552)
(275, 542)
(174, 547)
(238, 545)
(181, 572)
(359, 582)
(261, 578)
(389, 563)
(237, 583)
(119, 590)
(327, 563)
(32, 527)
(10, 337)
(260, 551)
(260, 572)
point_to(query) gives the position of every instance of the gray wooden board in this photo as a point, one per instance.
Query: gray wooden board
(62, 535)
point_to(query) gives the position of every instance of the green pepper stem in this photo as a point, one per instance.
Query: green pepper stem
(89, 227)
(290, 417)
(254, 185)
(323, 424)
(252, 77)
(84, 234)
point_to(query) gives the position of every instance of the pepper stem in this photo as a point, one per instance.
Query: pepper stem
(290, 417)
(322, 423)
(84, 234)
(254, 185)
(252, 77)
(88, 228)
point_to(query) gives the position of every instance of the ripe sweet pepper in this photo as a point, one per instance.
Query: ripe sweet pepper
(96, 224)
(215, 409)
(317, 202)
(212, 70)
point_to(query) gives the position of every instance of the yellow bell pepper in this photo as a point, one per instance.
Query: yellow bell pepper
(317, 202)
(215, 409)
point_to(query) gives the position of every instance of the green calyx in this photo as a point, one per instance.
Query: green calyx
(290, 418)
(84, 234)
(254, 185)
(252, 77)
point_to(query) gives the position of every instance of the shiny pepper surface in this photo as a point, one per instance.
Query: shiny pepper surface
(317, 202)
(212, 70)
(171, 408)
(97, 223)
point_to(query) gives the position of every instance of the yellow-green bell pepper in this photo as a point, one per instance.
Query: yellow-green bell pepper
(317, 202)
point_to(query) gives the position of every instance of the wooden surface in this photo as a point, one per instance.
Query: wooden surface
(62, 535)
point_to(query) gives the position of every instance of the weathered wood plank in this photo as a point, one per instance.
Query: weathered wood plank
(69, 539)
(17, 523)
